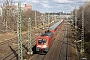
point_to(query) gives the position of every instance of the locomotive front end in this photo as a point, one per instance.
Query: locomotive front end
(42, 44)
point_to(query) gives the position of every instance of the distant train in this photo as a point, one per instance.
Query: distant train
(45, 40)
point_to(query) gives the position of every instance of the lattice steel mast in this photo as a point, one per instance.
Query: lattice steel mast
(48, 21)
(35, 20)
(29, 37)
(82, 35)
(19, 33)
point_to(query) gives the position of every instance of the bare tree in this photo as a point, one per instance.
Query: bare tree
(8, 13)
(86, 9)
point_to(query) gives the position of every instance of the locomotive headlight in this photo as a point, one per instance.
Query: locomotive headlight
(44, 46)
(39, 46)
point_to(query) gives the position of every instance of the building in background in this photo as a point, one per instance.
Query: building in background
(27, 7)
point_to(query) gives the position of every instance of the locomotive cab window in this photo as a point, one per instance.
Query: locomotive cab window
(42, 41)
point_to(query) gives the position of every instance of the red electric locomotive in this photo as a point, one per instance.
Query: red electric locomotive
(45, 40)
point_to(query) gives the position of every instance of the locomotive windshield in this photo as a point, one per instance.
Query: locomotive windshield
(42, 41)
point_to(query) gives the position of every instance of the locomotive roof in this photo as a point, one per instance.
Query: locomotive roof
(49, 33)
(55, 25)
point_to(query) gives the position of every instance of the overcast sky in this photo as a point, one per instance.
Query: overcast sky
(53, 5)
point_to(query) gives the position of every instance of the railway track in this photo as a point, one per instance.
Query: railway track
(38, 57)
(63, 53)
(12, 51)
(7, 41)
(14, 39)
